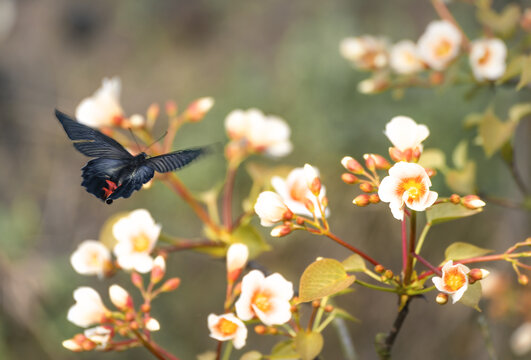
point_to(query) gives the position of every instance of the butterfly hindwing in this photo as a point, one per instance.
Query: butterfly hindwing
(131, 182)
(91, 142)
(175, 160)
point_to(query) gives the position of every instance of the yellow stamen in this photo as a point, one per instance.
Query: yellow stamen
(226, 327)
(485, 58)
(443, 48)
(141, 242)
(414, 187)
(298, 191)
(454, 279)
(261, 301)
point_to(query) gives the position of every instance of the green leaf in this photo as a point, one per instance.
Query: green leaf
(251, 355)
(494, 133)
(354, 263)
(503, 23)
(250, 236)
(518, 111)
(460, 154)
(514, 68)
(525, 79)
(106, 236)
(345, 315)
(284, 350)
(308, 344)
(462, 250)
(462, 181)
(322, 278)
(433, 158)
(472, 296)
(443, 212)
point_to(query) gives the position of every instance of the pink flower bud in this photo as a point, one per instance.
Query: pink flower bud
(361, 200)
(237, 256)
(478, 274)
(281, 230)
(197, 110)
(153, 112)
(120, 297)
(374, 198)
(396, 155)
(441, 298)
(455, 199)
(369, 162)
(158, 270)
(352, 165)
(171, 108)
(349, 178)
(366, 187)
(473, 202)
(136, 279)
(170, 285)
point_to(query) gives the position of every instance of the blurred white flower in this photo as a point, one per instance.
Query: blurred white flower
(72, 345)
(137, 234)
(199, 108)
(454, 280)
(90, 258)
(266, 298)
(227, 327)
(365, 52)
(88, 309)
(237, 256)
(103, 107)
(119, 297)
(487, 58)
(409, 184)
(100, 335)
(405, 59)
(152, 324)
(521, 339)
(137, 121)
(258, 132)
(294, 191)
(439, 44)
(404, 133)
(270, 208)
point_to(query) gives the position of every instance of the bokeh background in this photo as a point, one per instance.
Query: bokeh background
(279, 56)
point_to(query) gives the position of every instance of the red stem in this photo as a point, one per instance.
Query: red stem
(468, 261)
(227, 198)
(427, 264)
(352, 248)
(404, 244)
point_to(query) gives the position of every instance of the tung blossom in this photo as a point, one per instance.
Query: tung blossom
(103, 107)
(137, 234)
(88, 309)
(407, 184)
(404, 133)
(487, 58)
(271, 208)
(405, 59)
(258, 132)
(237, 256)
(100, 335)
(439, 44)
(365, 52)
(91, 258)
(266, 298)
(227, 327)
(295, 190)
(454, 280)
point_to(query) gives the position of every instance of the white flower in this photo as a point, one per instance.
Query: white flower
(237, 256)
(72, 345)
(152, 324)
(261, 133)
(160, 263)
(294, 191)
(90, 258)
(137, 120)
(409, 184)
(99, 335)
(521, 339)
(487, 58)
(311, 174)
(270, 208)
(137, 234)
(103, 107)
(439, 44)
(404, 133)
(227, 327)
(119, 296)
(405, 58)
(454, 280)
(366, 52)
(88, 309)
(265, 297)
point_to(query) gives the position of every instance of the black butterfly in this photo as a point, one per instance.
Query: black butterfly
(115, 173)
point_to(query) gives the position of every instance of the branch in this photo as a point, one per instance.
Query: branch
(384, 347)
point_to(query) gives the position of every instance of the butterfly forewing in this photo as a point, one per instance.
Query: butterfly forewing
(91, 142)
(175, 160)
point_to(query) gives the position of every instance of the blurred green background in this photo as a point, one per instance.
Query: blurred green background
(279, 56)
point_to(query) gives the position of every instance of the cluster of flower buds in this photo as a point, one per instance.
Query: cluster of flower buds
(298, 200)
(89, 310)
(472, 202)
(370, 182)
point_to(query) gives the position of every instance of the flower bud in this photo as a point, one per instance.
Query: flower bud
(395, 154)
(455, 199)
(72, 345)
(374, 198)
(431, 172)
(473, 202)
(380, 162)
(237, 256)
(299, 221)
(436, 78)
(349, 178)
(352, 165)
(152, 325)
(170, 285)
(197, 110)
(260, 329)
(136, 279)
(134, 325)
(324, 201)
(388, 274)
(137, 121)
(145, 308)
(415, 154)
(158, 270)
(171, 109)
(478, 274)
(370, 163)
(366, 187)
(312, 179)
(523, 279)
(152, 114)
(361, 200)
(88, 345)
(379, 268)
(120, 297)
(316, 303)
(281, 230)
(309, 205)
(441, 298)
(328, 308)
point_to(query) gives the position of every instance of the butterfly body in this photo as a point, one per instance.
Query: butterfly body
(114, 172)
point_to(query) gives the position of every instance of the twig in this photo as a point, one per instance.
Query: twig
(385, 350)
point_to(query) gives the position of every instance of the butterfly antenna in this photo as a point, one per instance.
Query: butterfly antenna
(134, 138)
(159, 139)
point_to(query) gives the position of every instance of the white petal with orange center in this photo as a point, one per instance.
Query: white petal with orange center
(404, 133)
(487, 58)
(439, 44)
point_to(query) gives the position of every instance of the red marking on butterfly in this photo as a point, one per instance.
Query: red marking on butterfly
(111, 187)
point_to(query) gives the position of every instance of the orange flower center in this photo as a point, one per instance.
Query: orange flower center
(485, 58)
(414, 187)
(453, 279)
(443, 48)
(298, 191)
(94, 259)
(261, 301)
(226, 327)
(141, 242)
